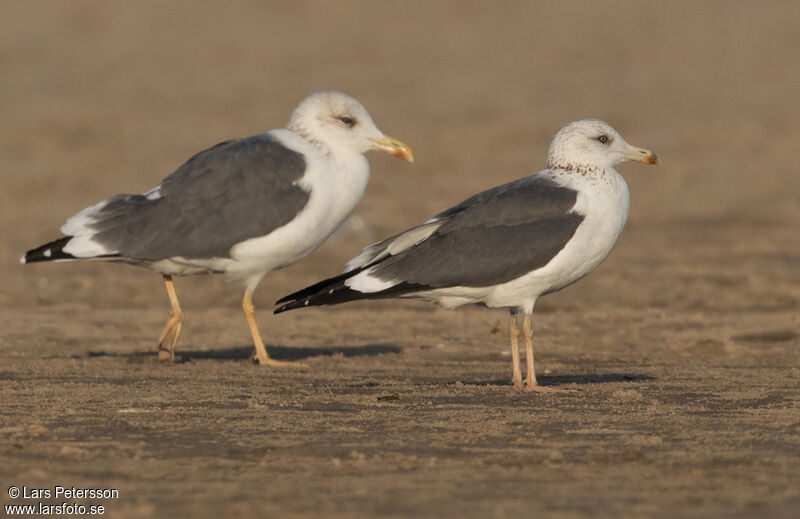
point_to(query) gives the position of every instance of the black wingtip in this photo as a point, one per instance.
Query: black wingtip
(291, 306)
(316, 288)
(329, 292)
(336, 292)
(50, 251)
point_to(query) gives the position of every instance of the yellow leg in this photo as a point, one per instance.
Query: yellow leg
(172, 330)
(527, 329)
(513, 334)
(261, 352)
(531, 385)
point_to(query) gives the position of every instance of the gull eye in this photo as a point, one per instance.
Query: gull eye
(603, 139)
(347, 121)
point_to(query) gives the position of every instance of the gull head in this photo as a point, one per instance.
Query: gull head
(338, 121)
(593, 144)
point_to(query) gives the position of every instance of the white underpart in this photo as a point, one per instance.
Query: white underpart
(336, 181)
(602, 199)
(336, 176)
(604, 202)
(582, 157)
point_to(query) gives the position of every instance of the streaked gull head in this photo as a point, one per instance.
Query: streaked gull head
(593, 144)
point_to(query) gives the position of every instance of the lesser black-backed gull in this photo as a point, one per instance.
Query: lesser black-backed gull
(243, 208)
(505, 247)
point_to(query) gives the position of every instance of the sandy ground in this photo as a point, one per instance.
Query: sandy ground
(682, 347)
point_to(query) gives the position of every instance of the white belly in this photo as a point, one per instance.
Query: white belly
(334, 194)
(336, 183)
(603, 200)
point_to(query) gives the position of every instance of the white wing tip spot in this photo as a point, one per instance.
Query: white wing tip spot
(22, 259)
(48, 253)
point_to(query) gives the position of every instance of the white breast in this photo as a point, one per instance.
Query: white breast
(603, 199)
(335, 181)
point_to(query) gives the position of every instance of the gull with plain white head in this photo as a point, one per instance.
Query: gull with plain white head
(242, 208)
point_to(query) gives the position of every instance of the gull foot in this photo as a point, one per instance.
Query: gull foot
(167, 342)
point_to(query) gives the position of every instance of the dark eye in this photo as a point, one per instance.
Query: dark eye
(347, 121)
(603, 139)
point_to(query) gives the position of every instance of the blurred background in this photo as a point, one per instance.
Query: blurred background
(684, 343)
(105, 97)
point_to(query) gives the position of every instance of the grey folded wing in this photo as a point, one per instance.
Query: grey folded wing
(234, 191)
(490, 238)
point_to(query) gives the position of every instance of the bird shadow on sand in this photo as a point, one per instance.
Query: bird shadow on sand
(560, 380)
(291, 353)
(288, 353)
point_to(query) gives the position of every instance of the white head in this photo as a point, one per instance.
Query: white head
(340, 122)
(593, 144)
